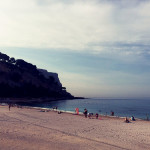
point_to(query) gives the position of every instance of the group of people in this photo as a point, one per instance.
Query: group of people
(131, 119)
(86, 114)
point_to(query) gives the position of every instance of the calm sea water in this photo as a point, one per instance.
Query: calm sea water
(139, 108)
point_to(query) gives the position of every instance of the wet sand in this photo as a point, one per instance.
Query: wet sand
(32, 129)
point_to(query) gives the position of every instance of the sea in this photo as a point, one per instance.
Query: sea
(139, 108)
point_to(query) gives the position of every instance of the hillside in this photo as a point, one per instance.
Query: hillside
(20, 79)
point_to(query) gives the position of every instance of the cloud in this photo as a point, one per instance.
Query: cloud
(94, 26)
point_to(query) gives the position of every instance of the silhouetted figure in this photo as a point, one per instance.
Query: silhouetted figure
(147, 117)
(85, 112)
(126, 120)
(112, 113)
(9, 105)
(90, 115)
(132, 118)
(96, 115)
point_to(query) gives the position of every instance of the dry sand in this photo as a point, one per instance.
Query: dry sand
(31, 129)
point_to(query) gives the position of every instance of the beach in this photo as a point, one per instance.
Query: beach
(34, 129)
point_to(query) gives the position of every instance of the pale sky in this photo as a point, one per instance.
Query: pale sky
(99, 48)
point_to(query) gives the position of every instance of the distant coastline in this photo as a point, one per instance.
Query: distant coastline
(34, 100)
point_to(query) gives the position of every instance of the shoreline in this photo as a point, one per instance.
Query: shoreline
(71, 112)
(102, 109)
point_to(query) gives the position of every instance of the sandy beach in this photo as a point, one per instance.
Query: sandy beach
(32, 129)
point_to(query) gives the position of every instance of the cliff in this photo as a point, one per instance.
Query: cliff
(20, 79)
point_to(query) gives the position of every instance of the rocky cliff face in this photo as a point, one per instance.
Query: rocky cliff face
(50, 74)
(20, 79)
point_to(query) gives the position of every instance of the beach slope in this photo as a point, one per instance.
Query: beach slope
(32, 129)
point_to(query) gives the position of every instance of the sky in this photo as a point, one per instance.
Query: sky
(99, 48)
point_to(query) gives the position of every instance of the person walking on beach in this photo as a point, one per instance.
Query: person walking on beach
(85, 112)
